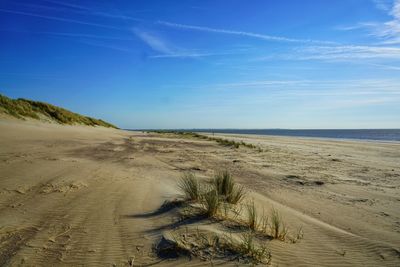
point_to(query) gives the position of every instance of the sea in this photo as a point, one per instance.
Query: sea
(360, 134)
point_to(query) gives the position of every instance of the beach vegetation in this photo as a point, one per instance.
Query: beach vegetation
(190, 186)
(23, 108)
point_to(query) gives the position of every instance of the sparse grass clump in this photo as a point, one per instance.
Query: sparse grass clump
(226, 187)
(252, 216)
(219, 140)
(214, 200)
(211, 203)
(259, 254)
(223, 189)
(190, 186)
(277, 227)
(249, 250)
(223, 182)
(207, 246)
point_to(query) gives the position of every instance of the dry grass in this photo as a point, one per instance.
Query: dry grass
(278, 228)
(210, 245)
(252, 216)
(249, 250)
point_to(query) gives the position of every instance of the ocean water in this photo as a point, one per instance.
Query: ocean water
(363, 134)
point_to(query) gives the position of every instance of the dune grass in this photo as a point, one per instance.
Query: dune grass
(226, 187)
(24, 108)
(277, 227)
(248, 247)
(252, 216)
(222, 195)
(221, 190)
(208, 245)
(190, 186)
(219, 140)
(211, 203)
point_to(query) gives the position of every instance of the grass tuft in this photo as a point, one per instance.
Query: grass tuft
(252, 216)
(190, 186)
(277, 227)
(226, 187)
(248, 249)
(211, 203)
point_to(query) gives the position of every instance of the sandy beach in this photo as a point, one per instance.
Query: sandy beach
(87, 196)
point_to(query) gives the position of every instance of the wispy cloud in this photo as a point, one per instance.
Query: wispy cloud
(387, 31)
(168, 50)
(74, 35)
(155, 42)
(316, 87)
(80, 9)
(188, 55)
(67, 4)
(104, 45)
(303, 94)
(384, 66)
(348, 53)
(242, 33)
(61, 19)
(384, 5)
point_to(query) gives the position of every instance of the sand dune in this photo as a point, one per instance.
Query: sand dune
(72, 196)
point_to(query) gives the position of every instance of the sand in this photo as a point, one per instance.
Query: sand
(74, 195)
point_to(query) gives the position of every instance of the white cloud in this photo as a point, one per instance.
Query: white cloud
(388, 31)
(347, 52)
(167, 50)
(316, 87)
(187, 55)
(242, 33)
(384, 5)
(155, 42)
(67, 20)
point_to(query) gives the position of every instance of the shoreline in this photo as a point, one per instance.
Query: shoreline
(250, 135)
(311, 138)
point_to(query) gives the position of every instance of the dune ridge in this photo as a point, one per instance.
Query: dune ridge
(24, 108)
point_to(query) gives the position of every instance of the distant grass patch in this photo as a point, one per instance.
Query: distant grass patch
(24, 108)
(219, 140)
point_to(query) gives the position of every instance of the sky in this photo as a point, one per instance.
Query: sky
(207, 64)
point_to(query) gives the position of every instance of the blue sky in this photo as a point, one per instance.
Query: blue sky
(208, 64)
